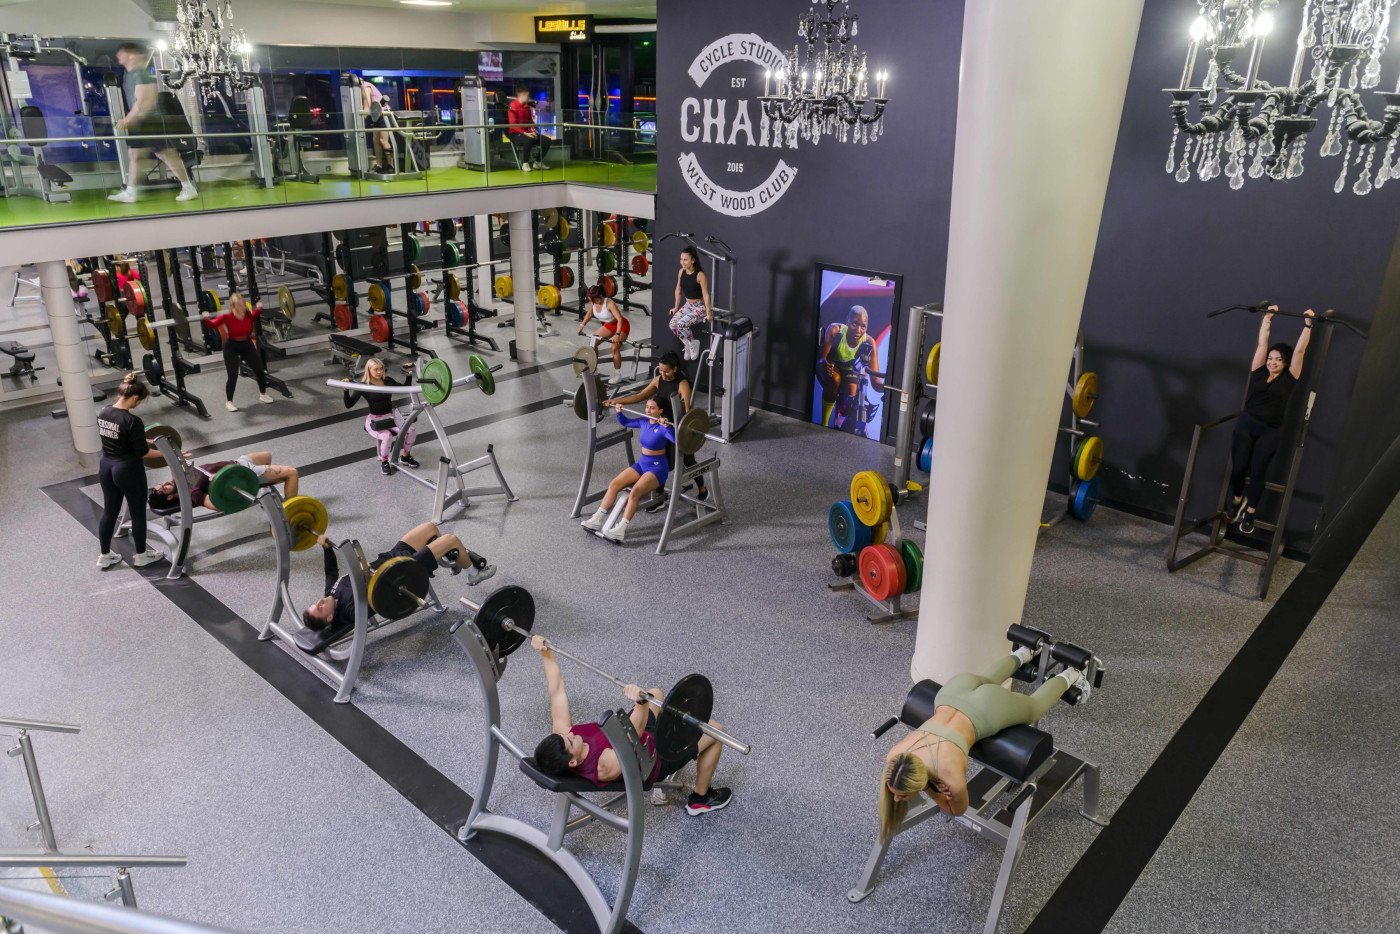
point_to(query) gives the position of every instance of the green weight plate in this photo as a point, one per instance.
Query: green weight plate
(913, 565)
(564, 258)
(606, 262)
(451, 255)
(436, 379)
(484, 377)
(412, 249)
(228, 486)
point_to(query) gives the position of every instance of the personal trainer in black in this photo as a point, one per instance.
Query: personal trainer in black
(122, 473)
(1274, 372)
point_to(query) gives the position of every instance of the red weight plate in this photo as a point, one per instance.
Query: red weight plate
(901, 570)
(566, 277)
(639, 264)
(880, 571)
(102, 285)
(422, 305)
(379, 328)
(135, 297)
(609, 285)
(343, 317)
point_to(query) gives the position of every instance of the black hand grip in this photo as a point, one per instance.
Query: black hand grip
(1027, 790)
(884, 728)
(1032, 639)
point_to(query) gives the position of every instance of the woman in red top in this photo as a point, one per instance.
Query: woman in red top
(238, 324)
(522, 114)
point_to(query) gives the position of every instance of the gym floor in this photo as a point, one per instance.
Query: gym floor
(219, 193)
(296, 813)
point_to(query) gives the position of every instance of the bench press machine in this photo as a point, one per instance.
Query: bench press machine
(1020, 766)
(501, 625)
(691, 433)
(435, 384)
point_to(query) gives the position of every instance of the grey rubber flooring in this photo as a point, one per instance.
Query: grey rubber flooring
(186, 750)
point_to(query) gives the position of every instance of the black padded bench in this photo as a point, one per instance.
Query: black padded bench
(570, 784)
(23, 359)
(1016, 752)
(344, 349)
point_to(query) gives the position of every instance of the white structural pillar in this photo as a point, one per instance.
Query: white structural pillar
(522, 274)
(72, 360)
(485, 276)
(1039, 100)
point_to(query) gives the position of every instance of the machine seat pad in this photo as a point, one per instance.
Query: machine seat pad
(1016, 751)
(354, 345)
(575, 783)
(315, 641)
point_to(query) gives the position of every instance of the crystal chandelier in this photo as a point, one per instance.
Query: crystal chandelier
(208, 50)
(826, 92)
(1246, 120)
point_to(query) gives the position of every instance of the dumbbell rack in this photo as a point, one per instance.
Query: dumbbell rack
(352, 557)
(891, 610)
(1082, 390)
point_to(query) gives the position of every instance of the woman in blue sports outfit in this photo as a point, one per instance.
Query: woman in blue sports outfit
(647, 474)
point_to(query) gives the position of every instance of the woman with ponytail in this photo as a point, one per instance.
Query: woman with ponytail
(122, 475)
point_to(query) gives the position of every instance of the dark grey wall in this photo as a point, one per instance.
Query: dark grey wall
(1169, 252)
(1373, 421)
(882, 206)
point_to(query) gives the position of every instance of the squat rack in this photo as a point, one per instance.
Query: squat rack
(1218, 520)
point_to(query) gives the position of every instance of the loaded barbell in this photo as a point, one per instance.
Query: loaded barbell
(692, 428)
(435, 380)
(506, 619)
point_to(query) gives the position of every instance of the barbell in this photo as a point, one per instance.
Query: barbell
(435, 380)
(505, 620)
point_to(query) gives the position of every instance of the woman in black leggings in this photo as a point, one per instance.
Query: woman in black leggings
(1274, 372)
(122, 474)
(239, 324)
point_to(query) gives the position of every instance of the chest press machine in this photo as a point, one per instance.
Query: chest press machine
(435, 384)
(501, 624)
(1021, 774)
(692, 431)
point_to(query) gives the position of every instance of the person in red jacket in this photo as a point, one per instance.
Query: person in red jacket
(239, 323)
(524, 136)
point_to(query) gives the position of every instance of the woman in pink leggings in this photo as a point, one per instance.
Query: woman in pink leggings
(381, 405)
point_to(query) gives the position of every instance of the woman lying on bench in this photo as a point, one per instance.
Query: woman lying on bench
(933, 758)
(165, 498)
(583, 750)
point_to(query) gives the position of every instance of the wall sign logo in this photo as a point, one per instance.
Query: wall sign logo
(728, 124)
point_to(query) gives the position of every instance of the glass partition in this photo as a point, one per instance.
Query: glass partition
(233, 169)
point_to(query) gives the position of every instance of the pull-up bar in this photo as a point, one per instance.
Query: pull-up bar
(1327, 317)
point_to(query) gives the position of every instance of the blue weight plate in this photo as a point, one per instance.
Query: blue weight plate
(926, 455)
(1084, 499)
(841, 522)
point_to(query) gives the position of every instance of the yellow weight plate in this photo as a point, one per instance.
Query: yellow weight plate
(609, 235)
(286, 302)
(1087, 457)
(340, 288)
(549, 297)
(549, 217)
(308, 518)
(503, 287)
(640, 242)
(454, 287)
(1086, 390)
(415, 277)
(931, 364)
(879, 533)
(564, 228)
(116, 321)
(145, 335)
(870, 498)
(378, 297)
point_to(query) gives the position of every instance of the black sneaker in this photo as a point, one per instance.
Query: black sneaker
(386, 468)
(408, 459)
(1247, 525)
(703, 493)
(713, 800)
(661, 501)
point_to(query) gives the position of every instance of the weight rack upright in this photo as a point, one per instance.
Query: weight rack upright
(178, 365)
(913, 386)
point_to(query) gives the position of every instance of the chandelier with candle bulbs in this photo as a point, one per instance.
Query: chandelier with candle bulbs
(826, 91)
(208, 50)
(1248, 126)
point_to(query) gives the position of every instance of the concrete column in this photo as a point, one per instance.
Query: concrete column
(485, 276)
(1039, 100)
(72, 360)
(522, 273)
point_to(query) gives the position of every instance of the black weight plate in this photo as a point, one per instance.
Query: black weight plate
(512, 603)
(676, 739)
(394, 585)
(926, 416)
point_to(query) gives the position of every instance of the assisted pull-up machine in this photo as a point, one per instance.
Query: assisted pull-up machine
(1218, 520)
(435, 384)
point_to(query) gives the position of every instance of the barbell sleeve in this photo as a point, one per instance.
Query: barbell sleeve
(411, 595)
(471, 377)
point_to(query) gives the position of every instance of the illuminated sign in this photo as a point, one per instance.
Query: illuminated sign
(564, 28)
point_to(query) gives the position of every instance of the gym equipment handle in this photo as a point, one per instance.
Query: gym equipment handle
(673, 423)
(883, 728)
(43, 726)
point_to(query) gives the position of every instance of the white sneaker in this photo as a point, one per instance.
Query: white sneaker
(525, 167)
(126, 196)
(693, 350)
(595, 522)
(658, 797)
(187, 192)
(109, 559)
(618, 532)
(149, 556)
(230, 406)
(616, 379)
(475, 576)
(541, 166)
(264, 397)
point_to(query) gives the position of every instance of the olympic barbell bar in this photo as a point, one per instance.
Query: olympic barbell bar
(507, 624)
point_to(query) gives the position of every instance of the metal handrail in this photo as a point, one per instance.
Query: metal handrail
(44, 726)
(436, 127)
(58, 915)
(39, 860)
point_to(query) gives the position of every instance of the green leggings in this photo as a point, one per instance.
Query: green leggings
(991, 707)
